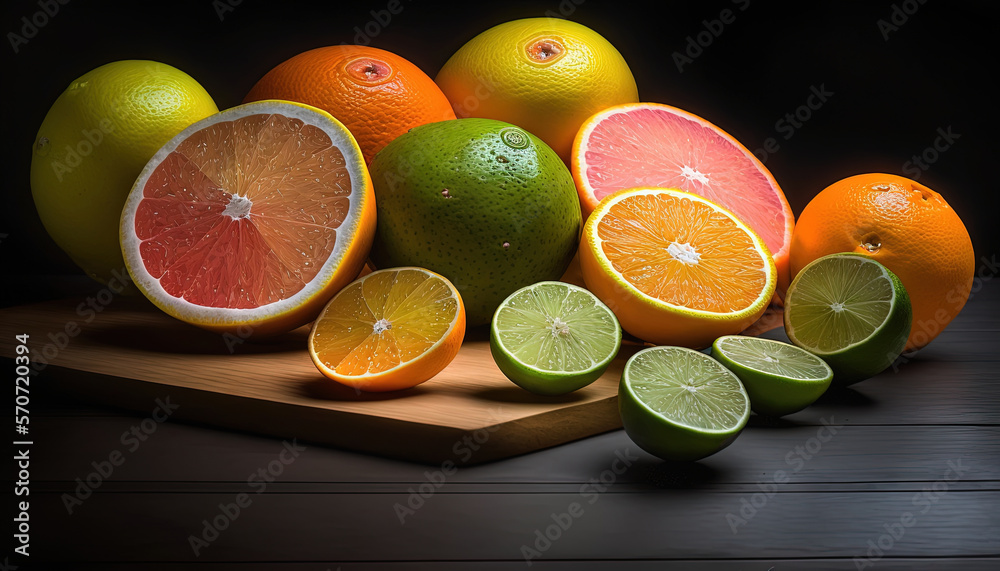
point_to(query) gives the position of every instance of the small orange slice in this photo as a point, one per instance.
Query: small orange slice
(391, 329)
(250, 218)
(675, 268)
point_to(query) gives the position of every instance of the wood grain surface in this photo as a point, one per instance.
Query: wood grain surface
(130, 354)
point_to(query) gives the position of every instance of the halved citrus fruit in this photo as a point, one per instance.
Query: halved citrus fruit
(391, 329)
(852, 312)
(676, 269)
(552, 338)
(679, 404)
(250, 218)
(654, 145)
(779, 377)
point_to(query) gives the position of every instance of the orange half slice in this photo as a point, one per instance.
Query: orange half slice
(676, 268)
(391, 329)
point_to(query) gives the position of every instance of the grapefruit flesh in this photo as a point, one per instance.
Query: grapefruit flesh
(654, 145)
(245, 219)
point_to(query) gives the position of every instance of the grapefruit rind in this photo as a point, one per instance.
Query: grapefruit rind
(345, 262)
(640, 319)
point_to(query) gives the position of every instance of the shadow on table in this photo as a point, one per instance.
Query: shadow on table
(845, 397)
(842, 399)
(183, 339)
(667, 475)
(323, 388)
(516, 395)
(692, 475)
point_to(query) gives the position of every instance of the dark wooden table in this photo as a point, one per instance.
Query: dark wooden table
(899, 472)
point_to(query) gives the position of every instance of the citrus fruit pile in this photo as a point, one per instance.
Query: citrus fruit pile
(391, 210)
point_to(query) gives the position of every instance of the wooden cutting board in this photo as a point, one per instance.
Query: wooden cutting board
(130, 354)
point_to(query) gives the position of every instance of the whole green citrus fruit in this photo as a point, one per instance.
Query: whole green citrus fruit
(482, 202)
(91, 146)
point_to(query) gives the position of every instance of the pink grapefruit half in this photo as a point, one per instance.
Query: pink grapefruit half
(251, 219)
(654, 145)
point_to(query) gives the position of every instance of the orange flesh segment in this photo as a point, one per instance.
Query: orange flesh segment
(418, 309)
(657, 148)
(639, 233)
(211, 250)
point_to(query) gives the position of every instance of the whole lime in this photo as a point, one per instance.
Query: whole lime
(482, 202)
(91, 146)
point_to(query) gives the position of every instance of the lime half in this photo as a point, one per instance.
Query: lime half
(680, 404)
(852, 312)
(780, 378)
(552, 338)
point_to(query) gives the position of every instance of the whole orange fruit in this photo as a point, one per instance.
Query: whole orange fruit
(907, 227)
(545, 75)
(377, 94)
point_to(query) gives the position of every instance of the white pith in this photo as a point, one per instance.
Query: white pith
(381, 326)
(684, 253)
(238, 207)
(694, 174)
(559, 327)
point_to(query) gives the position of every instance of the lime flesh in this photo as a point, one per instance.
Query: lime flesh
(680, 404)
(852, 312)
(780, 378)
(552, 338)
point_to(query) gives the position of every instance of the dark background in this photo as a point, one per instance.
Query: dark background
(890, 96)
(889, 100)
